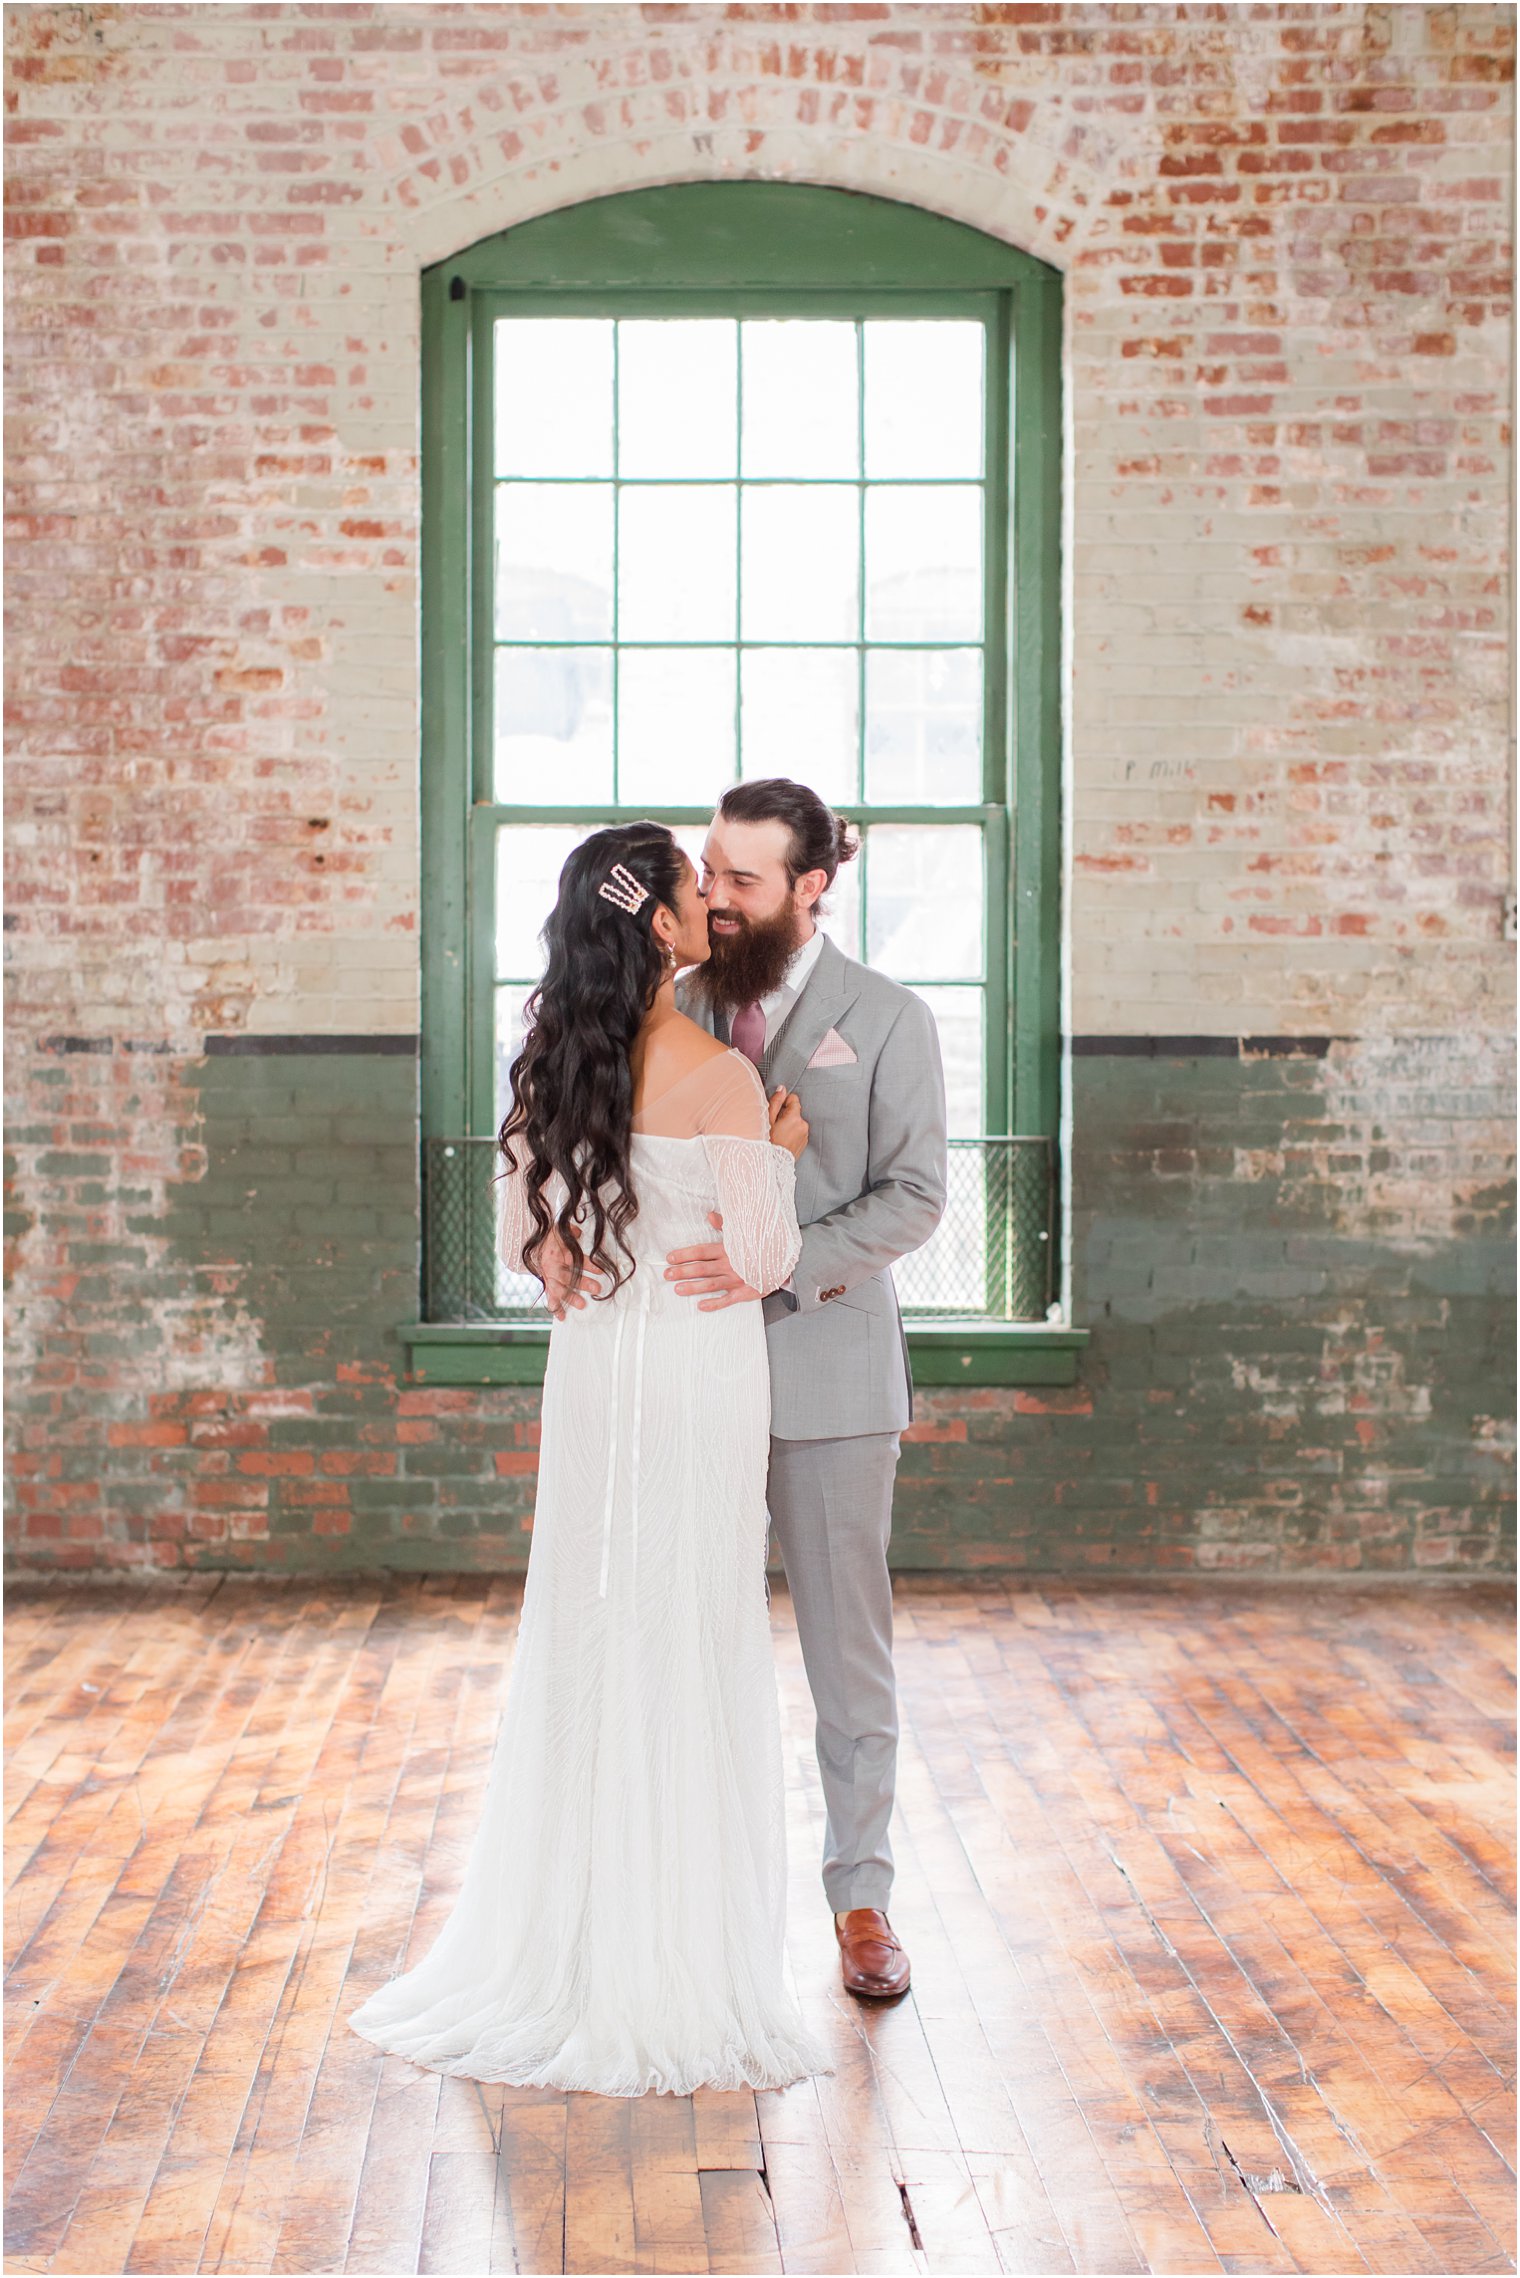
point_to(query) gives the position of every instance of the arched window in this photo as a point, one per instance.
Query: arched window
(739, 479)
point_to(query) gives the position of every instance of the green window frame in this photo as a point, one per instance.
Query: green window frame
(741, 249)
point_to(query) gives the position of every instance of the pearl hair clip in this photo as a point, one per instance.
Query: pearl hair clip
(622, 888)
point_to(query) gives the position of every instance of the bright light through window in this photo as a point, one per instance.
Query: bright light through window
(733, 547)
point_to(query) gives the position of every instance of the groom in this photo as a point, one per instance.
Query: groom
(862, 1054)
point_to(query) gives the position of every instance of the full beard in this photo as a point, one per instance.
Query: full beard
(746, 966)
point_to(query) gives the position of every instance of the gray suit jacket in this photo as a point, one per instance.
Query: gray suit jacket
(870, 1188)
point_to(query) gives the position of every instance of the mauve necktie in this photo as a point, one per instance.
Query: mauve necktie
(746, 1032)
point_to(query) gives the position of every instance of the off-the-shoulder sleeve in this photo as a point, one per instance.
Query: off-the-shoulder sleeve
(756, 1182)
(516, 1224)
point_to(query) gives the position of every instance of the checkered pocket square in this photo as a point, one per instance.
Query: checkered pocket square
(834, 1052)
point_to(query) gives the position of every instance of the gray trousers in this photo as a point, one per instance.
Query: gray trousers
(831, 1509)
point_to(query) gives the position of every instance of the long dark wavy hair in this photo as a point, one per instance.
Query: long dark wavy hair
(572, 1082)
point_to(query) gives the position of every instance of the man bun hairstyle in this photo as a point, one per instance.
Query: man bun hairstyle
(819, 839)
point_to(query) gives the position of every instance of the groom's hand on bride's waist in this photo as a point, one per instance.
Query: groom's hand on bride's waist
(703, 1272)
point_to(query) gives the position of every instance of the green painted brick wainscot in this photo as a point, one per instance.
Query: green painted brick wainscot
(1274, 1382)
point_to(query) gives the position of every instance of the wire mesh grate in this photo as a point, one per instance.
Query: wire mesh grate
(988, 1260)
(989, 1257)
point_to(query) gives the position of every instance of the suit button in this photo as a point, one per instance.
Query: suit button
(839, 1292)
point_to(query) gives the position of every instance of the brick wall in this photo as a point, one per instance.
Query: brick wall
(1284, 237)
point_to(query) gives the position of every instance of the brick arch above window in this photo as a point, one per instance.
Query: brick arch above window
(985, 133)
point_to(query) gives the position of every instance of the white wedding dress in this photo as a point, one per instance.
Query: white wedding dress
(621, 1919)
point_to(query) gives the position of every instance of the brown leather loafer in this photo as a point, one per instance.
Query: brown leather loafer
(871, 1961)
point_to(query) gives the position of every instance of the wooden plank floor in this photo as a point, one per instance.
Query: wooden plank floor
(1208, 1891)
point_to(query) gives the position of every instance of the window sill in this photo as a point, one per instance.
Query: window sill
(942, 1352)
(994, 1352)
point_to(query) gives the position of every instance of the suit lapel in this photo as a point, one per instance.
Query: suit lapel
(827, 993)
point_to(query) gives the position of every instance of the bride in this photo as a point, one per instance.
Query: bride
(621, 1920)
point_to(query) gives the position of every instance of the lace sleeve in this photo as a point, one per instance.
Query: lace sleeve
(756, 1185)
(756, 1182)
(516, 1225)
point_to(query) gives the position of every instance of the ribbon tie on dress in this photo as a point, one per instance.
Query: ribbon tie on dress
(640, 1309)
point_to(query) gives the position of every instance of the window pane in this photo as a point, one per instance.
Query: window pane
(553, 395)
(924, 565)
(801, 401)
(924, 901)
(958, 1015)
(677, 396)
(514, 1290)
(675, 726)
(690, 838)
(676, 564)
(923, 398)
(511, 997)
(511, 1001)
(553, 726)
(529, 859)
(799, 717)
(923, 726)
(841, 920)
(553, 561)
(800, 579)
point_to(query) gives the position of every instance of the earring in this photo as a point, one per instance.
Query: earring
(671, 959)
